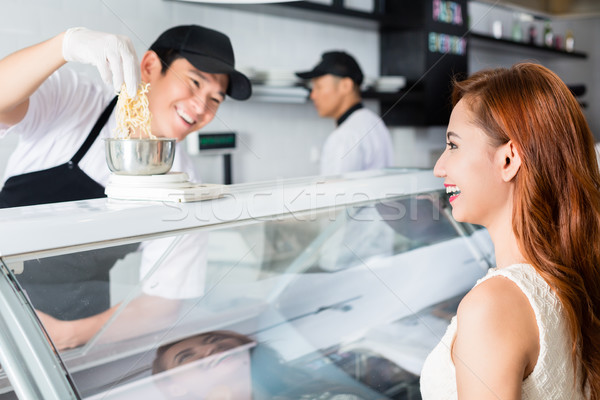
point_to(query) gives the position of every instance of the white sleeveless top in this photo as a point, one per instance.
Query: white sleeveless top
(552, 376)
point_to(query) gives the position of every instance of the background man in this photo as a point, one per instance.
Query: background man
(360, 141)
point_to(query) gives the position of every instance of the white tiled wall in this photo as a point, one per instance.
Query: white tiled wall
(275, 140)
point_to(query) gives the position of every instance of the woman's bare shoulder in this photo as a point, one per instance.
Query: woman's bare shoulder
(497, 318)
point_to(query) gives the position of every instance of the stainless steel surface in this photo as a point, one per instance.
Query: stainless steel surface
(140, 156)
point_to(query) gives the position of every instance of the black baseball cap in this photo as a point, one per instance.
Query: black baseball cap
(209, 51)
(336, 63)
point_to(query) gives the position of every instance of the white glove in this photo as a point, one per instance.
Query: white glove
(113, 55)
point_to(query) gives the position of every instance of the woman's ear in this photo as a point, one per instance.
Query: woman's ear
(511, 161)
(150, 66)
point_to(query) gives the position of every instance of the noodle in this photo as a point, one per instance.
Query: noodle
(133, 114)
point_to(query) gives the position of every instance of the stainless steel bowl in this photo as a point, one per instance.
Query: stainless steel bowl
(140, 156)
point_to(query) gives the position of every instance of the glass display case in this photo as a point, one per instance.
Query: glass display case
(313, 288)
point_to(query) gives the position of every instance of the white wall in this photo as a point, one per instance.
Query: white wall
(275, 140)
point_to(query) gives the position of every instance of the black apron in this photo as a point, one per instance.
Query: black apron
(76, 285)
(66, 182)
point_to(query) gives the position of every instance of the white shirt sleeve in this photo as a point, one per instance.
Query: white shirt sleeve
(59, 118)
(60, 115)
(341, 154)
(175, 267)
(361, 142)
(178, 272)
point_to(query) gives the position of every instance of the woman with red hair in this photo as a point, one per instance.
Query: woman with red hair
(520, 161)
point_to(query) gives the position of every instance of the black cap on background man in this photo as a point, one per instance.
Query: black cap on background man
(337, 63)
(360, 140)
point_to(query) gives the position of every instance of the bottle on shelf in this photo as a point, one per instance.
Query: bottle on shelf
(569, 41)
(516, 33)
(532, 34)
(548, 35)
(497, 29)
(558, 42)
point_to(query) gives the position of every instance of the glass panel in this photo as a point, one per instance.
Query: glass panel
(342, 301)
(31, 361)
(71, 286)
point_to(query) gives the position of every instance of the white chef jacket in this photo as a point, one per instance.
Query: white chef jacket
(61, 114)
(360, 142)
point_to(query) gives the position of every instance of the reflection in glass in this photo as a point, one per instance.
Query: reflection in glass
(72, 286)
(341, 303)
(78, 295)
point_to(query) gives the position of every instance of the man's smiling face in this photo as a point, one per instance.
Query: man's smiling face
(184, 99)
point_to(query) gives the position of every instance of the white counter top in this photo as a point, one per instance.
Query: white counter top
(52, 227)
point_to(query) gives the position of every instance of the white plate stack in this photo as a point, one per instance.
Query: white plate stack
(279, 78)
(360, 5)
(173, 187)
(390, 83)
(368, 83)
(273, 77)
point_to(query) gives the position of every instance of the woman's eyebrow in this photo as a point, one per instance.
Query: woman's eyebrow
(449, 134)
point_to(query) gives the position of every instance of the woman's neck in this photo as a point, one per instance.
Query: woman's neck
(506, 247)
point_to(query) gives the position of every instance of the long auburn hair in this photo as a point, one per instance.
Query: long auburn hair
(556, 215)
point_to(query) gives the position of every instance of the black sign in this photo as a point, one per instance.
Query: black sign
(212, 141)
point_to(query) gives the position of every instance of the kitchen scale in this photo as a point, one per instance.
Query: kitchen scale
(172, 186)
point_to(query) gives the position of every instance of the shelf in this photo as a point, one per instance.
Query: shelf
(523, 45)
(279, 94)
(299, 94)
(409, 94)
(338, 8)
(334, 14)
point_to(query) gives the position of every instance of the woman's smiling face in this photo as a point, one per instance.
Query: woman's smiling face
(471, 168)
